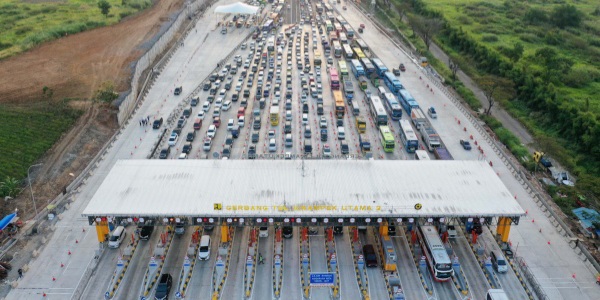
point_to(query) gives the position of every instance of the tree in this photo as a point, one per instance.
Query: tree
(426, 28)
(554, 65)
(10, 187)
(490, 85)
(516, 52)
(565, 16)
(535, 16)
(104, 7)
(453, 65)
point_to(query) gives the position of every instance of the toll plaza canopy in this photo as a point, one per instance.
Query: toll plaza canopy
(237, 8)
(302, 188)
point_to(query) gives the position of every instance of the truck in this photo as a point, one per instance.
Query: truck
(442, 154)
(348, 90)
(361, 124)
(430, 137)
(363, 82)
(365, 144)
(375, 79)
(417, 117)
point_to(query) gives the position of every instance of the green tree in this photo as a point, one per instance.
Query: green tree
(554, 65)
(516, 52)
(566, 16)
(10, 187)
(535, 16)
(491, 85)
(104, 7)
(426, 28)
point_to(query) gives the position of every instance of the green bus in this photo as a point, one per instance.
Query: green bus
(387, 139)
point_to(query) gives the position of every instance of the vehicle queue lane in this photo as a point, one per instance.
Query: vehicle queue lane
(234, 284)
(345, 261)
(175, 258)
(478, 284)
(263, 278)
(292, 285)
(409, 275)
(200, 286)
(377, 282)
(318, 263)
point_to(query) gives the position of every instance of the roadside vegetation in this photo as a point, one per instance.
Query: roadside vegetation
(26, 24)
(26, 133)
(539, 60)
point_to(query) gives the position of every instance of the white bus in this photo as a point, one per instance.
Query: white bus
(435, 253)
(496, 294)
(421, 155)
(348, 54)
(408, 136)
(337, 49)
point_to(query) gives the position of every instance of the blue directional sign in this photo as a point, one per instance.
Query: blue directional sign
(322, 278)
(106, 295)
(178, 295)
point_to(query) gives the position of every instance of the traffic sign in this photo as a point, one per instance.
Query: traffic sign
(178, 295)
(142, 298)
(418, 206)
(322, 278)
(106, 295)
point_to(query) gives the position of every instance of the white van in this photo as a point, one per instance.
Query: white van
(272, 145)
(304, 119)
(116, 237)
(498, 261)
(226, 105)
(204, 251)
(355, 108)
(341, 133)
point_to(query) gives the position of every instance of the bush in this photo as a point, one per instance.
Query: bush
(535, 16)
(581, 75)
(489, 38)
(469, 97)
(566, 16)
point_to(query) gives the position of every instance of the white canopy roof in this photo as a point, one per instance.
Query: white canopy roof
(236, 8)
(290, 187)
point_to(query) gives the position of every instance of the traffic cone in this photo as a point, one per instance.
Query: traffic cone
(53, 278)
(69, 252)
(43, 294)
(62, 265)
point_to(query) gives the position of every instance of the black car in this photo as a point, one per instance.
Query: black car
(344, 147)
(392, 229)
(146, 231)
(187, 148)
(288, 127)
(187, 112)
(206, 86)
(164, 153)
(338, 229)
(370, 256)
(252, 152)
(339, 122)
(190, 136)
(178, 90)
(194, 101)
(226, 151)
(255, 137)
(157, 123)
(164, 287)
(288, 232)
(305, 108)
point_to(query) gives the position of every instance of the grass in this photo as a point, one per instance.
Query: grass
(25, 25)
(27, 132)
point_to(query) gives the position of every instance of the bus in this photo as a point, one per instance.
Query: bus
(361, 124)
(328, 25)
(340, 107)
(496, 294)
(407, 101)
(343, 68)
(379, 66)
(369, 67)
(337, 49)
(343, 38)
(334, 78)
(392, 106)
(435, 253)
(327, 7)
(357, 68)
(319, 8)
(359, 54)
(363, 46)
(349, 31)
(421, 155)
(274, 113)
(387, 138)
(377, 111)
(271, 44)
(317, 58)
(347, 51)
(388, 256)
(392, 82)
(409, 137)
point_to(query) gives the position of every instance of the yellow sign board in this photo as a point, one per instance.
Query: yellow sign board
(418, 206)
(218, 206)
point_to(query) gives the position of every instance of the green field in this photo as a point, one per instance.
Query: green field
(25, 24)
(27, 132)
(499, 24)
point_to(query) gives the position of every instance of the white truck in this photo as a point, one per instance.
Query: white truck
(430, 137)
(418, 117)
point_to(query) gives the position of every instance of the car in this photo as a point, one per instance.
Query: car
(323, 122)
(432, 113)
(229, 139)
(157, 123)
(216, 112)
(219, 102)
(465, 144)
(271, 134)
(187, 112)
(451, 231)
(207, 144)
(173, 139)
(187, 148)
(392, 229)
(163, 288)
(212, 130)
(230, 124)
(287, 231)
(190, 136)
(241, 121)
(226, 151)
(396, 71)
(370, 256)
(201, 115)
(179, 228)
(402, 68)
(326, 151)
(338, 230)
(272, 145)
(217, 121)
(313, 230)
(252, 152)
(164, 153)
(255, 136)
(145, 230)
(263, 231)
(178, 91)
(181, 122)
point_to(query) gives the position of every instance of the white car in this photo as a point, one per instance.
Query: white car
(201, 115)
(263, 231)
(212, 130)
(219, 102)
(242, 121)
(326, 151)
(173, 139)
(207, 144)
(271, 134)
(323, 122)
(272, 145)
(230, 124)
(216, 112)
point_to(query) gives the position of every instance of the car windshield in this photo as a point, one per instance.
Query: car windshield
(501, 263)
(113, 238)
(204, 249)
(161, 288)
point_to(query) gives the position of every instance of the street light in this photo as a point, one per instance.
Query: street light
(30, 189)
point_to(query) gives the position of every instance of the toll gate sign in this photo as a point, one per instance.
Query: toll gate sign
(322, 278)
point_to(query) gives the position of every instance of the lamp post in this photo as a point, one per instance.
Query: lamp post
(30, 189)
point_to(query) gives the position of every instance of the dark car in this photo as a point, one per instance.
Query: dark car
(206, 86)
(305, 108)
(252, 152)
(288, 127)
(288, 232)
(370, 256)
(402, 68)
(178, 90)
(229, 139)
(465, 144)
(146, 231)
(226, 151)
(339, 122)
(164, 287)
(323, 135)
(194, 101)
(255, 137)
(187, 148)
(190, 136)
(187, 112)
(344, 147)
(338, 229)
(157, 123)
(164, 153)
(392, 229)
